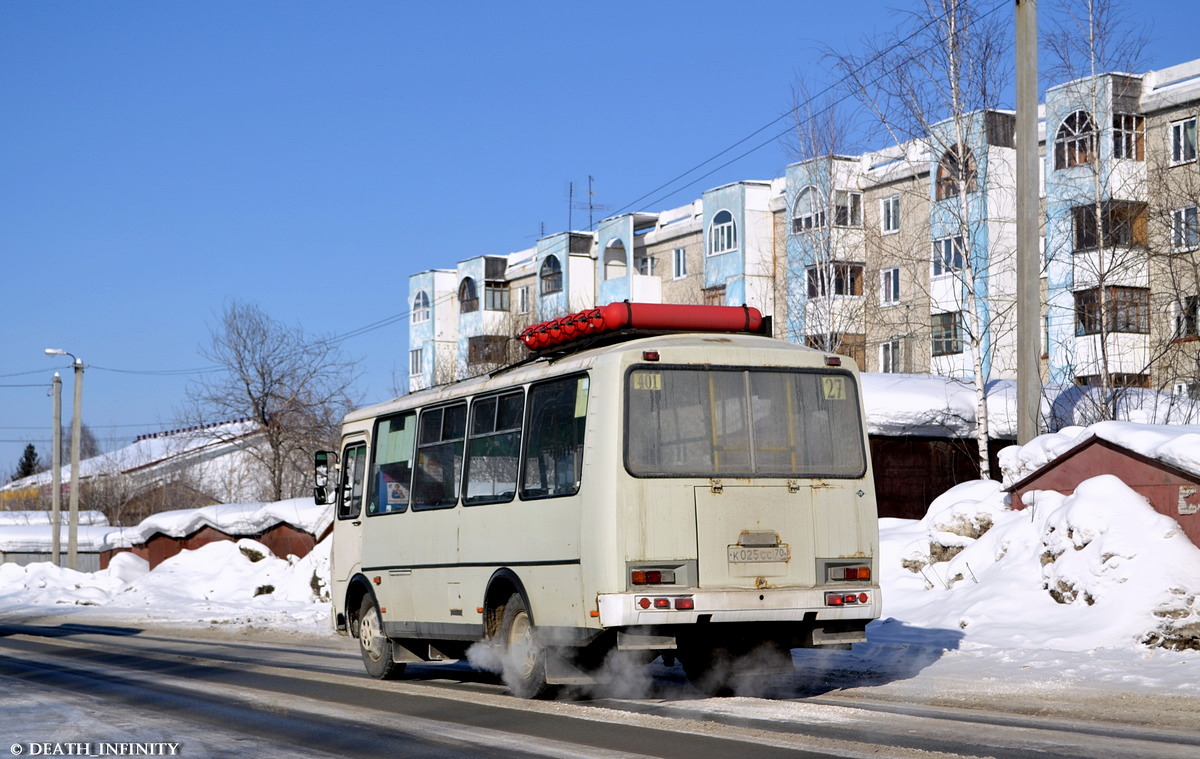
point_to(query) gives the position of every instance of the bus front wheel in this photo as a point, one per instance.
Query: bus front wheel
(376, 648)
(524, 659)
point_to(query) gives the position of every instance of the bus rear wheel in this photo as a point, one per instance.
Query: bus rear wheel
(524, 659)
(376, 648)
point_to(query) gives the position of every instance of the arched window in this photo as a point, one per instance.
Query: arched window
(722, 234)
(956, 173)
(808, 212)
(615, 265)
(1074, 144)
(420, 308)
(550, 276)
(468, 297)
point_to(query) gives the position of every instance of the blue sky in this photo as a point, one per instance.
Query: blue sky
(162, 158)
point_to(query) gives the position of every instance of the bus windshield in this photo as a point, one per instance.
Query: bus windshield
(736, 422)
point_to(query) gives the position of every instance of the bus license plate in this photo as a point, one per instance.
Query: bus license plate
(758, 554)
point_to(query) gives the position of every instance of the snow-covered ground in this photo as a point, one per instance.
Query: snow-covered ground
(1095, 587)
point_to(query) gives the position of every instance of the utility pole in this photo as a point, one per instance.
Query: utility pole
(73, 528)
(1028, 275)
(56, 475)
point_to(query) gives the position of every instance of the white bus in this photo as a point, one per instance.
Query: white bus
(692, 495)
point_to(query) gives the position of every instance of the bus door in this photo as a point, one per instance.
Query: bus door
(347, 532)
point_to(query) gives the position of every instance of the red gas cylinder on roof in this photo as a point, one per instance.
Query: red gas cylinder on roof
(669, 317)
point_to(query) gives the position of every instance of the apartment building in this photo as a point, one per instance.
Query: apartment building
(902, 258)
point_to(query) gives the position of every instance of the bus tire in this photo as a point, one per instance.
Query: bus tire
(524, 659)
(376, 648)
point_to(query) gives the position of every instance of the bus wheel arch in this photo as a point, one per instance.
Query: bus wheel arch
(502, 585)
(356, 591)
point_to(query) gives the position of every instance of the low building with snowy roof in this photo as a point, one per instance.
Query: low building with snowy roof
(178, 468)
(27, 537)
(1160, 462)
(291, 527)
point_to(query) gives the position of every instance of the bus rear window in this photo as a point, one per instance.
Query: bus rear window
(707, 422)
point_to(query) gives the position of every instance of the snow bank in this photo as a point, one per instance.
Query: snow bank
(223, 581)
(230, 518)
(1099, 568)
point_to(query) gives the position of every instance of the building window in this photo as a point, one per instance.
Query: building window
(1115, 309)
(1183, 141)
(889, 214)
(947, 255)
(1185, 315)
(495, 296)
(468, 297)
(946, 332)
(889, 287)
(722, 234)
(523, 300)
(956, 173)
(550, 276)
(416, 362)
(808, 212)
(889, 356)
(1074, 145)
(843, 343)
(679, 257)
(486, 349)
(1114, 380)
(1129, 136)
(1120, 224)
(834, 279)
(643, 264)
(1185, 229)
(714, 296)
(847, 208)
(420, 309)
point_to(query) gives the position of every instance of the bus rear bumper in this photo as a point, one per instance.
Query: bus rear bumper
(671, 607)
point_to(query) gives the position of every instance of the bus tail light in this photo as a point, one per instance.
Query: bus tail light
(846, 599)
(664, 603)
(839, 574)
(652, 577)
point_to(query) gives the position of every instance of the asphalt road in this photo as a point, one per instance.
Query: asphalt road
(88, 690)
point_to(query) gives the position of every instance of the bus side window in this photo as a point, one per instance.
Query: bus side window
(493, 449)
(439, 457)
(350, 490)
(554, 440)
(391, 470)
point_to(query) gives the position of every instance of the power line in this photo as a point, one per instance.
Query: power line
(928, 23)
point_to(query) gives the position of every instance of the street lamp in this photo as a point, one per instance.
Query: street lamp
(73, 525)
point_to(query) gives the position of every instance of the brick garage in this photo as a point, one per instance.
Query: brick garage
(1170, 490)
(282, 539)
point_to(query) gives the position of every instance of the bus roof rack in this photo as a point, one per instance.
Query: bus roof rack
(624, 320)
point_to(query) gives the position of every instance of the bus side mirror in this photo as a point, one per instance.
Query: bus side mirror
(321, 471)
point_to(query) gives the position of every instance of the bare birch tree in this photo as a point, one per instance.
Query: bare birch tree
(937, 78)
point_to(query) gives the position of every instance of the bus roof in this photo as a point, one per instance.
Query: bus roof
(550, 366)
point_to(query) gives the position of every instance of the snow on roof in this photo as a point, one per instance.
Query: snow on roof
(921, 404)
(38, 538)
(43, 517)
(230, 518)
(146, 451)
(1174, 444)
